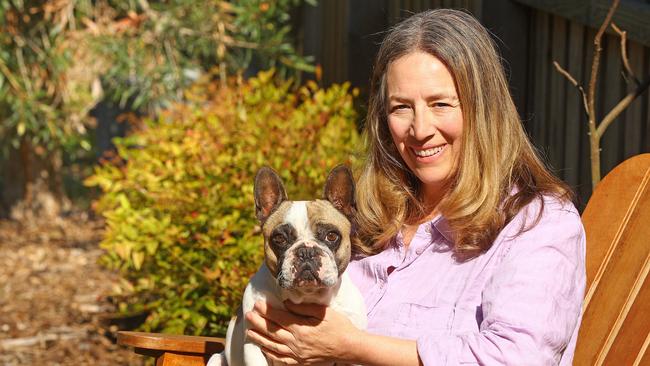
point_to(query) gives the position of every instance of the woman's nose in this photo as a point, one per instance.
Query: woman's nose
(423, 125)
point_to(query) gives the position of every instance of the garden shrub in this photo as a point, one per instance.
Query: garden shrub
(178, 195)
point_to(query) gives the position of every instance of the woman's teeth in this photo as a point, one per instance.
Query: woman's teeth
(429, 152)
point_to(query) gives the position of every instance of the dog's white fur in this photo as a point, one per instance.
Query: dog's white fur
(346, 300)
(343, 297)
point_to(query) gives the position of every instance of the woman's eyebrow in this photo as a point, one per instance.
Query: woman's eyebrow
(442, 95)
(398, 98)
(434, 96)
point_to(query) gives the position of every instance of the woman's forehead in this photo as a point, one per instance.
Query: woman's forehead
(419, 73)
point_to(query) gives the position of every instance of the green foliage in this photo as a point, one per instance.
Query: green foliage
(178, 198)
(53, 55)
(41, 96)
(267, 24)
(160, 47)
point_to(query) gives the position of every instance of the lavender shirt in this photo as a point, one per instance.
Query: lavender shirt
(517, 304)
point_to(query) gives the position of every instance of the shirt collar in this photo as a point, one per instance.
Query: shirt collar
(440, 224)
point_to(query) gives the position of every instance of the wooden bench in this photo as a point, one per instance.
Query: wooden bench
(616, 311)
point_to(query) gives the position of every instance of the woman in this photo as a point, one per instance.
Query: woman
(474, 252)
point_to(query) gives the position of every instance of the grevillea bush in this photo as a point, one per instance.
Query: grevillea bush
(178, 195)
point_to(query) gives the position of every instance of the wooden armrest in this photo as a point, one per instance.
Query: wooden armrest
(170, 349)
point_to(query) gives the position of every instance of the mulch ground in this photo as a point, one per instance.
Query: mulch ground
(54, 297)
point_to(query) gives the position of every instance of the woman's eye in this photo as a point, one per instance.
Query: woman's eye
(400, 107)
(332, 236)
(441, 105)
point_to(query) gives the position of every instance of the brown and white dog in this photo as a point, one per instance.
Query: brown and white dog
(307, 247)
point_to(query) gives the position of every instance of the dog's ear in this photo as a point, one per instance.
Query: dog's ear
(269, 193)
(339, 190)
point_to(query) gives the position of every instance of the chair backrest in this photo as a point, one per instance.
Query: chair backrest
(616, 312)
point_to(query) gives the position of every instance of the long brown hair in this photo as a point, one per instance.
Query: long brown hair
(498, 171)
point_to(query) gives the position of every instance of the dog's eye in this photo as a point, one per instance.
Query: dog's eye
(332, 236)
(278, 239)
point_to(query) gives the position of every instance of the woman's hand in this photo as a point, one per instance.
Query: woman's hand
(304, 335)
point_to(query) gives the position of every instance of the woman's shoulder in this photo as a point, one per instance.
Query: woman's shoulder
(549, 208)
(546, 222)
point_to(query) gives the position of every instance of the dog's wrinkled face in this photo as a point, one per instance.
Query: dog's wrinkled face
(307, 243)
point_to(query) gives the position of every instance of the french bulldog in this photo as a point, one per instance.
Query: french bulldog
(307, 247)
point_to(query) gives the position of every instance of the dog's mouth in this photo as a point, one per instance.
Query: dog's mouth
(303, 275)
(307, 276)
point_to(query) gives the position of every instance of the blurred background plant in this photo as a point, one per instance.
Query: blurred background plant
(176, 192)
(44, 100)
(58, 59)
(178, 197)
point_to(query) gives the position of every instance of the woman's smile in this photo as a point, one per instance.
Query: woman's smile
(428, 154)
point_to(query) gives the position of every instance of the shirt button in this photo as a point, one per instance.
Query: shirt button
(418, 252)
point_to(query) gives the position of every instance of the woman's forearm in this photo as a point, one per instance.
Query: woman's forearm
(373, 350)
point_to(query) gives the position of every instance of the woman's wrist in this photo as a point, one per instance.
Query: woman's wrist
(361, 347)
(352, 347)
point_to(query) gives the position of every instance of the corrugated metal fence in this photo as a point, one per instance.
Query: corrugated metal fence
(557, 121)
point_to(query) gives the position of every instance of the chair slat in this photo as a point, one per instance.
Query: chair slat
(629, 343)
(617, 222)
(643, 359)
(171, 342)
(609, 206)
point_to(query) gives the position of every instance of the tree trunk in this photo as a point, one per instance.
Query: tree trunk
(33, 185)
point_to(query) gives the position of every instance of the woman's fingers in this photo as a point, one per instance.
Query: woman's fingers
(278, 358)
(266, 326)
(312, 337)
(279, 316)
(279, 349)
(311, 310)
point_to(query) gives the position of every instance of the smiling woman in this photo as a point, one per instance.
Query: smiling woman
(471, 251)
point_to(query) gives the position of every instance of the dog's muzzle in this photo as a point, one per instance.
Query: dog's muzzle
(307, 266)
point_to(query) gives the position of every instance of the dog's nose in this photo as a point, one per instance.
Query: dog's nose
(306, 253)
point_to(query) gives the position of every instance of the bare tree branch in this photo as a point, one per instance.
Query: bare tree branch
(626, 61)
(620, 107)
(594, 142)
(566, 74)
(596, 61)
(596, 130)
(574, 82)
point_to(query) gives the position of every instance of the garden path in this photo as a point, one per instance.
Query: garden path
(54, 301)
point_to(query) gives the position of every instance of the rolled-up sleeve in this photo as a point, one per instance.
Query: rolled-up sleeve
(531, 304)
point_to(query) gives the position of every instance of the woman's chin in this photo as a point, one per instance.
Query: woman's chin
(434, 176)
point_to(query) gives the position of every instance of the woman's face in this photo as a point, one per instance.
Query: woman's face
(424, 118)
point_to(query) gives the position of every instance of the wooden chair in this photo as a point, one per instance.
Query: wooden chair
(172, 350)
(616, 311)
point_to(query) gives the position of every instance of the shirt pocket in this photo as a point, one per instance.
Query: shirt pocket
(423, 317)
